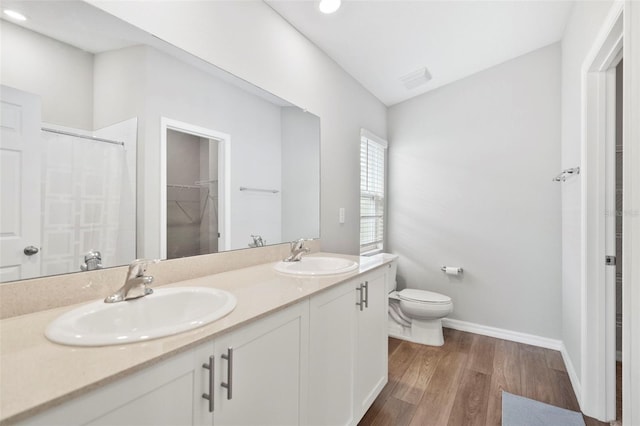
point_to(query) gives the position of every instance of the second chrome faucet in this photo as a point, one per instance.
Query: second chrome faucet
(297, 250)
(136, 284)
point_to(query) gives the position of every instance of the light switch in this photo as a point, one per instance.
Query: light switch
(341, 215)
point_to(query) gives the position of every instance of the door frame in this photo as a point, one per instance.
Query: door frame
(224, 178)
(631, 207)
(598, 304)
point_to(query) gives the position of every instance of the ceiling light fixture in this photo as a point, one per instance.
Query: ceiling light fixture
(15, 15)
(329, 6)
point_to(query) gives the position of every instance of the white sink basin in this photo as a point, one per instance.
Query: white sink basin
(165, 312)
(317, 266)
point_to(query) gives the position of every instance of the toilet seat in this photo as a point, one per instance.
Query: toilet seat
(423, 296)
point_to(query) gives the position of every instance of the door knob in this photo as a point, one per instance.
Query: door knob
(31, 250)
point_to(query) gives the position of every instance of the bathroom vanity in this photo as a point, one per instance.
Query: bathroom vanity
(296, 350)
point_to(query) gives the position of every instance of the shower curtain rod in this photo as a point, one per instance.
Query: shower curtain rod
(93, 138)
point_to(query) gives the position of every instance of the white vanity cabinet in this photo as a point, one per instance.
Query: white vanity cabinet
(266, 375)
(348, 349)
(263, 367)
(332, 352)
(371, 366)
(168, 393)
(319, 361)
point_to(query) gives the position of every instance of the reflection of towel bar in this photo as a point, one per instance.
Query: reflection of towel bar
(77, 135)
(273, 191)
(566, 173)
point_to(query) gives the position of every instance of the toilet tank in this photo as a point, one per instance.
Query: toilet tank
(391, 276)
(393, 267)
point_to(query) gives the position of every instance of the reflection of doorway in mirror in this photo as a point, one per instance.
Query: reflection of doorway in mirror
(192, 195)
(194, 190)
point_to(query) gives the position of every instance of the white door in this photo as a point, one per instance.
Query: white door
(20, 148)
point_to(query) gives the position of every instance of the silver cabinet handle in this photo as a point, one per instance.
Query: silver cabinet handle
(361, 302)
(210, 367)
(366, 294)
(229, 384)
(31, 250)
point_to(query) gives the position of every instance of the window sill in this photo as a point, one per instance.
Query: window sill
(371, 252)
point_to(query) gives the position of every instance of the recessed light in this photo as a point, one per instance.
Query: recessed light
(329, 6)
(15, 15)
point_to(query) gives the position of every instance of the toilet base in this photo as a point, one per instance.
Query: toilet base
(424, 332)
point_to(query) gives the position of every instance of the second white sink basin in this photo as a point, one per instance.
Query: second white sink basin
(317, 266)
(163, 313)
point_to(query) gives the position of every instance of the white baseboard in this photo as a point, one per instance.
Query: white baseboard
(516, 336)
(500, 333)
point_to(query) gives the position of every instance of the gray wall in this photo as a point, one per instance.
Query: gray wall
(149, 84)
(61, 74)
(253, 42)
(300, 171)
(470, 169)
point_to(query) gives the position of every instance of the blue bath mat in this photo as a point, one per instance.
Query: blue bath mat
(521, 411)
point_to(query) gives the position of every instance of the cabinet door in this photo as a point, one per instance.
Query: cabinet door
(168, 393)
(372, 355)
(264, 370)
(332, 337)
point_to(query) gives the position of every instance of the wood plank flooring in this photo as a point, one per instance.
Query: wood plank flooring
(619, 391)
(461, 382)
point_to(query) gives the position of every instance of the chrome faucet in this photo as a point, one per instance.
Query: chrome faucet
(92, 261)
(257, 241)
(297, 250)
(136, 282)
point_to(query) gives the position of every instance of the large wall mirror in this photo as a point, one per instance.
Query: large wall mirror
(116, 145)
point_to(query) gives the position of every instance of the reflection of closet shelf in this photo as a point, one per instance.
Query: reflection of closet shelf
(199, 185)
(183, 186)
(273, 191)
(206, 182)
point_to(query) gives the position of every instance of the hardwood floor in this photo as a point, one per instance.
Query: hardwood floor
(619, 391)
(461, 382)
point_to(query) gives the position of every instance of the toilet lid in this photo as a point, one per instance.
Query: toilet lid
(423, 296)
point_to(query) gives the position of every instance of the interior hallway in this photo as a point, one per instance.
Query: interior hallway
(460, 383)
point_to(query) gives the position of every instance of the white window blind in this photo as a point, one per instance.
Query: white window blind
(372, 197)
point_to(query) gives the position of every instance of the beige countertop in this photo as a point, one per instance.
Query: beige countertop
(36, 374)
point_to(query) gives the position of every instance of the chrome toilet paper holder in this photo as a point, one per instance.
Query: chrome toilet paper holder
(458, 270)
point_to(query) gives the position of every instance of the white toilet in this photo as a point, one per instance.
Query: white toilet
(416, 315)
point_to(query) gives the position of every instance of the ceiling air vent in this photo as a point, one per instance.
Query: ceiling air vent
(416, 78)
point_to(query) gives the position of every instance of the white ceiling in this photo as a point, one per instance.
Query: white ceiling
(76, 23)
(88, 28)
(378, 42)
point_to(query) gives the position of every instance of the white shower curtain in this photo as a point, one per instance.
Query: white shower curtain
(82, 183)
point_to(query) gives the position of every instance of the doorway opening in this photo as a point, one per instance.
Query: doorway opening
(194, 194)
(617, 188)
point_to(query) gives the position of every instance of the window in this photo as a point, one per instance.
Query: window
(372, 187)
